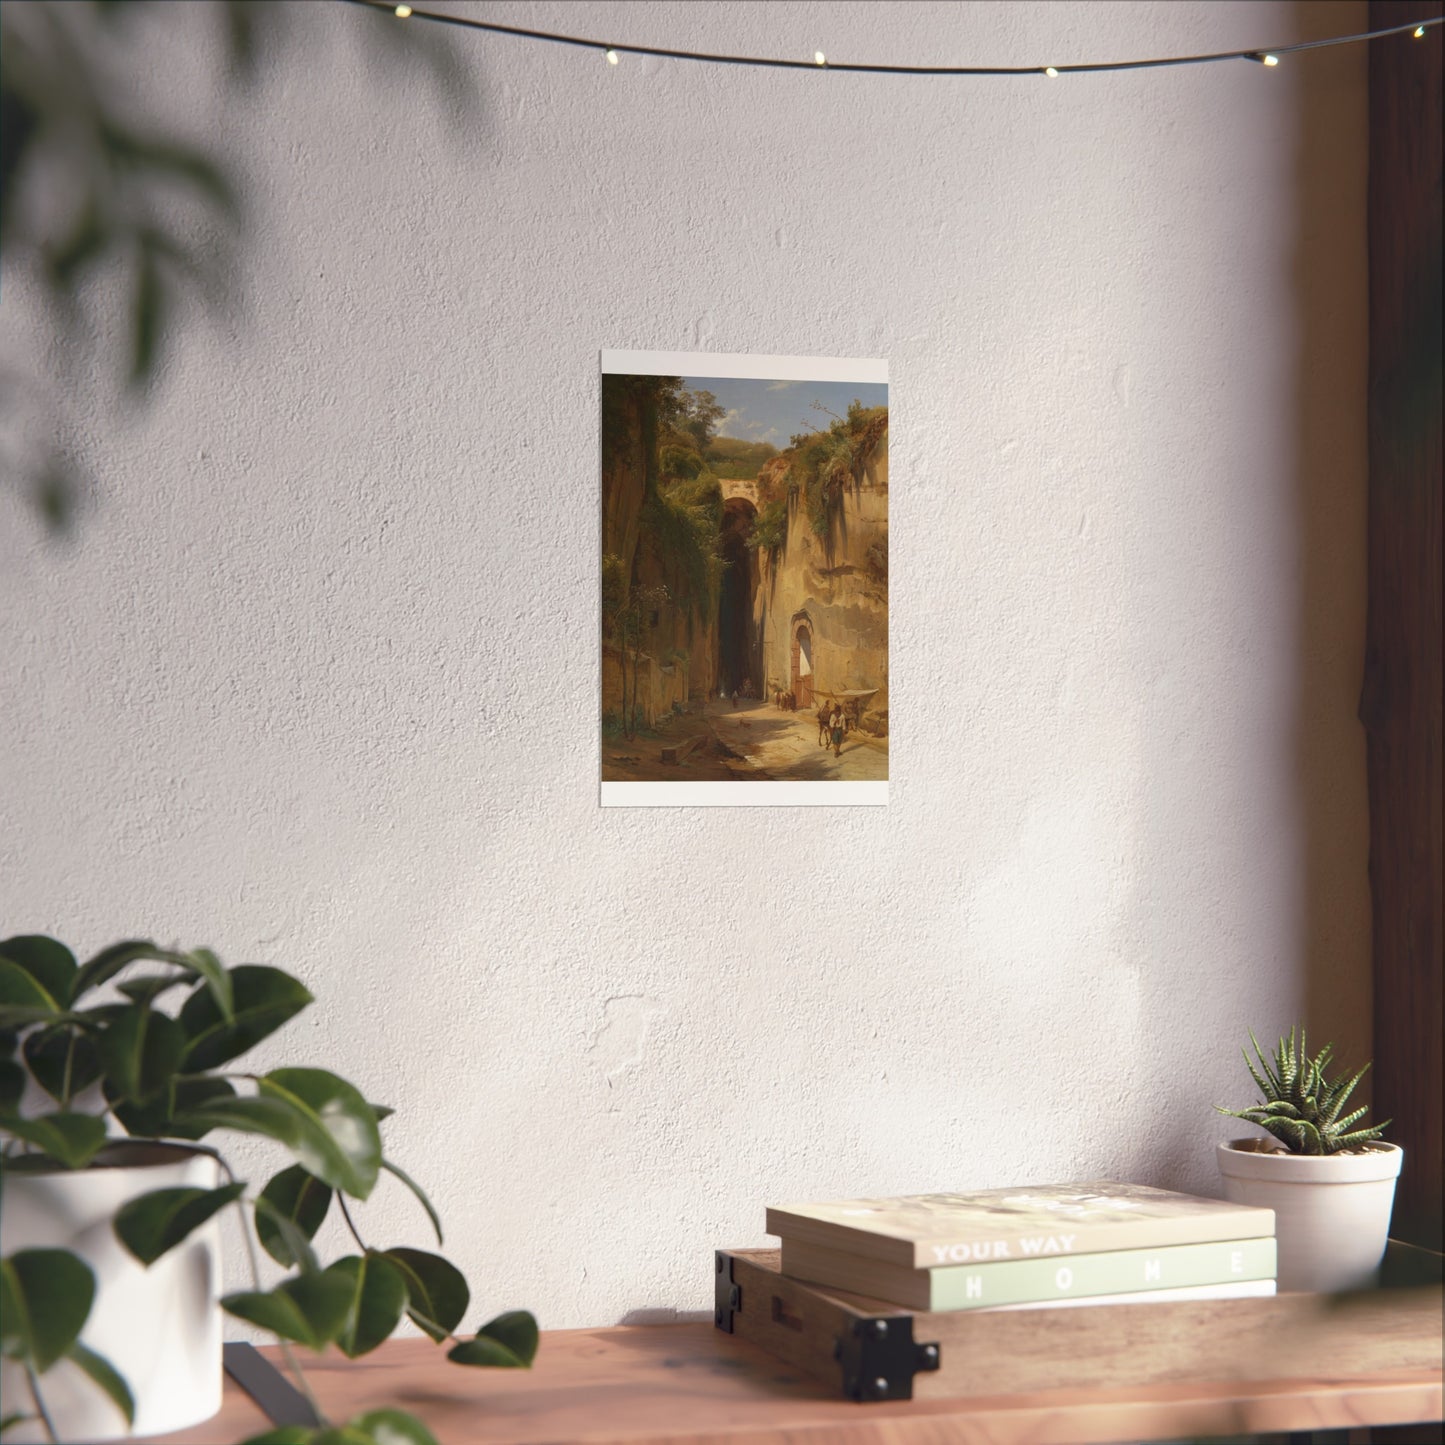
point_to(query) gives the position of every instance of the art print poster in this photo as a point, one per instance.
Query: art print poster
(744, 580)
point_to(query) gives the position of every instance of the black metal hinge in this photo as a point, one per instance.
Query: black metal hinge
(727, 1296)
(880, 1358)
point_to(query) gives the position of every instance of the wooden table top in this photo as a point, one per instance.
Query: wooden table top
(694, 1385)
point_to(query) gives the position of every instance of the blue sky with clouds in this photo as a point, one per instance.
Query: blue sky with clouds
(774, 411)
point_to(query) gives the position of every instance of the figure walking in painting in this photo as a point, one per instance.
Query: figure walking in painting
(823, 715)
(836, 724)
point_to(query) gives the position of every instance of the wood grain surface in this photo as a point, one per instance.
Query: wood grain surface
(670, 1384)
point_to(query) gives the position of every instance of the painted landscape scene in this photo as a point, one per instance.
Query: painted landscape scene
(744, 617)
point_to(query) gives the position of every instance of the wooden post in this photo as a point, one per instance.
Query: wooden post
(1400, 702)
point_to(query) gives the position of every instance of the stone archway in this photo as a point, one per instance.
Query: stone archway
(802, 668)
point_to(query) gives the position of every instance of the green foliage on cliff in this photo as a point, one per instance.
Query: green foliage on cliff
(821, 465)
(681, 520)
(770, 531)
(736, 460)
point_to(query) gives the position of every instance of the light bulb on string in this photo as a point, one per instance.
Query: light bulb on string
(1260, 57)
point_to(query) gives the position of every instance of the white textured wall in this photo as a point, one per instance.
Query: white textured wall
(315, 682)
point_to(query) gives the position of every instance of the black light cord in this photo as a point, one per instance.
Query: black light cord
(610, 49)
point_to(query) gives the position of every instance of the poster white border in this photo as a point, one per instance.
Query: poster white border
(763, 793)
(742, 367)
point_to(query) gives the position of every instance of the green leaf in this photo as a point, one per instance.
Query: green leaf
(296, 1196)
(14, 1323)
(23, 999)
(310, 1310)
(104, 1374)
(378, 1296)
(341, 1435)
(151, 1224)
(109, 962)
(51, 1054)
(295, 1243)
(141, 1051)
(73, 1139)
(284, 1435)
(50, 964)
(437, 1294)
(263, 999)
(340, 1143)
(331, 1141)
(11, 1421)
(166, 1116)
(507, 1342)
(12, 1086)
(148, 989)
(45, 1299)
(382, 1111)
(416, 1189)
(210, 968)
(392, 1427)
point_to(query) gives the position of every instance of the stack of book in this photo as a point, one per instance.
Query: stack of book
(1031, 1247)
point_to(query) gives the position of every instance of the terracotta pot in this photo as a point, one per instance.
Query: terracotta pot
(1331, 1211)
(160, 1327)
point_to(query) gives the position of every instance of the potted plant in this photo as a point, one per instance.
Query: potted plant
(110, 1191)
(1331, 1185)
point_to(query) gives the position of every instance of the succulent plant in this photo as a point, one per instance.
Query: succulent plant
(1301, 1108)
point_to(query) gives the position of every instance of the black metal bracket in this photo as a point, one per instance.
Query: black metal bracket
(880, 1358)
(280, 1401)
(727, 1296)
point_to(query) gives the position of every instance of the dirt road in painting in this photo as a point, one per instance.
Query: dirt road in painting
(754, 741)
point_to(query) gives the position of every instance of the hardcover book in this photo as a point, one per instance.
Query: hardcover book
(1033, 1281)
(925, 1231)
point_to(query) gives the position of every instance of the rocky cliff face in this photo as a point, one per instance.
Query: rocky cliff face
(670, 624)
(822, 600)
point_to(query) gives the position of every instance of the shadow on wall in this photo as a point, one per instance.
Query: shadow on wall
(1324, 902)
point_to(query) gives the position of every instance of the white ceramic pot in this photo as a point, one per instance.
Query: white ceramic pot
(160, 1327)
(1331, 1211)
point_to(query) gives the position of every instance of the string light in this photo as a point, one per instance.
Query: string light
(612, 57)
(1260, 56)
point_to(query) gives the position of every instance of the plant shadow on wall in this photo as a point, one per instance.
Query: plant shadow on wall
(82, 1047)
(91, 191)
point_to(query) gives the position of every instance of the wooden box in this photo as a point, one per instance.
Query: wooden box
(871, 1350)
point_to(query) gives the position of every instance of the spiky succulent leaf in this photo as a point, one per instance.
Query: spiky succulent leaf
(1299, 1105)
(1361, 1136)
(1259, 1083)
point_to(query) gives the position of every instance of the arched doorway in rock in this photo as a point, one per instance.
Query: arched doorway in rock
(737, 659)
(802, 666)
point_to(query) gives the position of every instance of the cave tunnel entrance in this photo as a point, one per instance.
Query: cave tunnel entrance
(737, 659)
